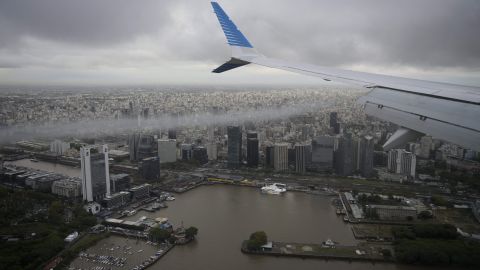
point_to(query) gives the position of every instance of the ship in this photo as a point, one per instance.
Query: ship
(275, 188)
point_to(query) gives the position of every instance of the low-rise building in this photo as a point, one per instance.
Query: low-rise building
(150, 168)
(391, 212)
(350, 197)
(119, 182)
(140, 192)
(116, 199)
(42, 182)
(69, 188)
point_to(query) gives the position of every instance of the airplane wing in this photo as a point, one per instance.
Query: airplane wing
(445, 111)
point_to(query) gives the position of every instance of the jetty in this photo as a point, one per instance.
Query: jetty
(361, 252)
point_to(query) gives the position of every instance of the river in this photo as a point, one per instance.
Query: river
(48, 167)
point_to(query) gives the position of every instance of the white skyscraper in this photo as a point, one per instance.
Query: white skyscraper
(167, 150)
(280, 157)
(59, 147)
(402, 162)
(107, 169)
(212, 151)
(94, 173)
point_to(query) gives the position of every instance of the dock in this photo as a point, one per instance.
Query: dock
(362, 252)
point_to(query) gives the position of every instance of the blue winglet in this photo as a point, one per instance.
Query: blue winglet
(234, 36)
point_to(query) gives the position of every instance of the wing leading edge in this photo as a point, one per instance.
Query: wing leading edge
(445, 111)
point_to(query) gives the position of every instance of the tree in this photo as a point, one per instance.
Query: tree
(403, 233)
(55, 212)
(158, 235)
(425, 215)
(438, 231)
(257, 240)
(191, 232)
(386, 252)
(440, 201)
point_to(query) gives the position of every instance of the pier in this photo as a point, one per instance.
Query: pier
(362, 252)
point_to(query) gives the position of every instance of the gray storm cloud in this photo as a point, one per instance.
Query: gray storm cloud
(89, 128)
(81, 35)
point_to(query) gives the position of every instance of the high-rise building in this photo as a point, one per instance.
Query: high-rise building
(269, 156)
(147, 146)
(380, 159)
(167, 150)
(402, 162)
(234, 155)
(322, 154)
(130, 109)
(133, 140)
(252, 135)
(211, 134)
(291, 158)
(186, 151)
(172, 134)
(280, 157)
(334, 122)
(59, 147)
(150, 168)
(141, 146)
(212, 151)
(300, 158)
(252, 149)
(366, 156)
(344, 156)
(94, 173)
(426, 143)
(119, 182)
(333, 118)
(199, 153)
(145, 113)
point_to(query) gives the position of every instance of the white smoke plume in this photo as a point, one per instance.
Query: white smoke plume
(90, 128)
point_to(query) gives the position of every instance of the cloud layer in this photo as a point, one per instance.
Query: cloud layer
(166, 41)
(92, 128)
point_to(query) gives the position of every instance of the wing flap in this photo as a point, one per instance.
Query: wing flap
(231, 64)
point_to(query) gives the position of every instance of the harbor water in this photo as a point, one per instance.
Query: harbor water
(227, 215)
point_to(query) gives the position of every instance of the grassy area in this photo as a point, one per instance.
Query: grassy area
(373, 231)
(461, 218)
(337, 251)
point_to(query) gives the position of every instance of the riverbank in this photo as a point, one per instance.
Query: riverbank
(361, 252)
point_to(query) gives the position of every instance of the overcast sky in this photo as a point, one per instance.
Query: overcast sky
(119, 42)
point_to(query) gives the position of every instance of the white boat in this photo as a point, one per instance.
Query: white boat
(275, 188)
(170, 198)
(131, 213)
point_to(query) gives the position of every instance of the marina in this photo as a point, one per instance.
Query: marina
(117, 252)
